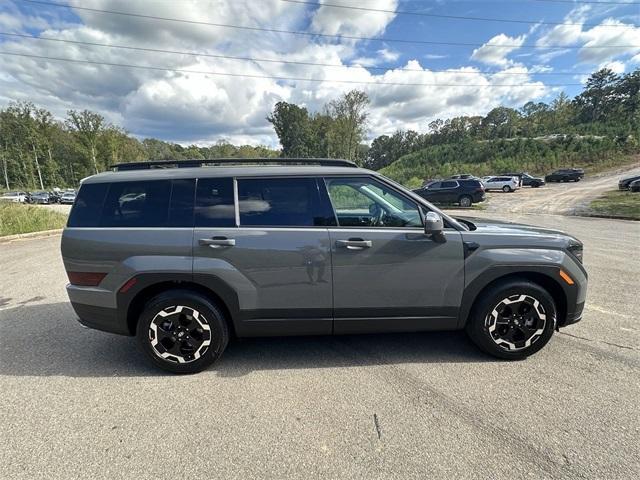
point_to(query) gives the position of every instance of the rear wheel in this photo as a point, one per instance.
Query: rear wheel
(512, 320)
(465, 201)
(182, 331)
(506, 189)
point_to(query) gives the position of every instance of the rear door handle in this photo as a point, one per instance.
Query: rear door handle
(217, 242)
(354, 243)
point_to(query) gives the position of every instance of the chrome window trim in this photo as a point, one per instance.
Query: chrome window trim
(236, 203)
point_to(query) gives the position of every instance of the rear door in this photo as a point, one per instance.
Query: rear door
(270, 248)
(449, 191)
(388, 275)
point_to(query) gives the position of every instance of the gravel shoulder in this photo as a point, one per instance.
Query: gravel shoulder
(559, 198)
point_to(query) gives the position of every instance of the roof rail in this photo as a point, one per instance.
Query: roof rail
(325, 162)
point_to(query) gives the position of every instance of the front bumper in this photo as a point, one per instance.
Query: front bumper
(573, 317)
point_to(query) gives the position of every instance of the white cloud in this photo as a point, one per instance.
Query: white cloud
(495, 51)
(199, 108)
(342, 21)
(609, 40)
(433, 56)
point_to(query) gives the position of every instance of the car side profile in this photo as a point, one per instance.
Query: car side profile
(565, 175)
(464, 192)
(625, 183)
(527, 180)
(504, 183)
(14, 197)
(185, 255)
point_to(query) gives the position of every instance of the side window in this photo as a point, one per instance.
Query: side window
(435, 185)
(214, 203)
(364, 202)
(449, 184)
(181, 205)
(282, 202)
(88, 205)
(137, 204)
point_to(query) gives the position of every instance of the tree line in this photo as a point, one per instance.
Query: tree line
(601, 123)
(38, 151)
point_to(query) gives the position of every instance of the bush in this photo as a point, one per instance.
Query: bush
(18, 218)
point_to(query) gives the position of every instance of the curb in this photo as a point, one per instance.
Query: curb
(604, 215)
(26, 236)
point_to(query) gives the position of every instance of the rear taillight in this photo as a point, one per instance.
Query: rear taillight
(86, 279)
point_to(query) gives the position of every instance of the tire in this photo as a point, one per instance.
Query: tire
(526, 302)
(465, 201)
(506, 189)
(187, 314)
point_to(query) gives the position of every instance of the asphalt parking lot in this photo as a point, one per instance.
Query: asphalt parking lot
(78, 403)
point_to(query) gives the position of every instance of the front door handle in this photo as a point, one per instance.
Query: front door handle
(217, 242)
(354, 244)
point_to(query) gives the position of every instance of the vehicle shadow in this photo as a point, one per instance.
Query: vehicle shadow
(46, 340)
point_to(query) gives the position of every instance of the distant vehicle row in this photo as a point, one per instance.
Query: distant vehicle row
(42, 197)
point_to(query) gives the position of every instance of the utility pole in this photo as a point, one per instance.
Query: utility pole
(4, 164)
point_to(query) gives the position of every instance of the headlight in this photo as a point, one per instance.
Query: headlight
(576, 250)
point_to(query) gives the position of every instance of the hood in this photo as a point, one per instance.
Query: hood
(500, 227)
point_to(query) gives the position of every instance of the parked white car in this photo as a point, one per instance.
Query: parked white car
(506, 184)
(14, 197)
(68, 198)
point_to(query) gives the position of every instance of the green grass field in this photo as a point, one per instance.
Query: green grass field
(19, 218)
(623, 204)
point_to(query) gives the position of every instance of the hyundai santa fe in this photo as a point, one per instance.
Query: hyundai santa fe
(185, 255)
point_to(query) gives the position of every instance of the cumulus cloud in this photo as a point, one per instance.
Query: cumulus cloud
(342, 21)
(495, 51)
(610, 40)
(200, 108)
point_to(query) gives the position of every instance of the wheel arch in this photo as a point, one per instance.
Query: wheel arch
(131, 304)
(540, 277)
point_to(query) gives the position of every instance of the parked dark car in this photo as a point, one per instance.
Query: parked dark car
(625, 183)
(40, 198)
(464, 192)
(635, 186)
(565, 175)
(527, 180)
(54, 197)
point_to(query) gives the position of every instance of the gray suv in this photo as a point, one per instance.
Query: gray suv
(185, 255)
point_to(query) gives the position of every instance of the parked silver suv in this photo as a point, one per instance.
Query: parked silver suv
(184, 258)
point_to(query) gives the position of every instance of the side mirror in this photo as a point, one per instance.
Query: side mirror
(434, 226)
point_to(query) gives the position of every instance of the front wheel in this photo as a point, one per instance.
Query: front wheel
(465, 201)
(182, 331)
(512, 320)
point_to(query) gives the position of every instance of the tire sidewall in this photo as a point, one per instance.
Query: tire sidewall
(215, 319)
(479, 333)
(465, 198)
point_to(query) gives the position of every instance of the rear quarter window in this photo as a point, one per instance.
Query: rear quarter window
(137, 204)
(88, 205)
(153, 203)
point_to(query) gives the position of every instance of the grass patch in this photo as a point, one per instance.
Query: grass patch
(18, 218)
(623, 204)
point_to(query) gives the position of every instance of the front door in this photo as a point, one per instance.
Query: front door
(387, 274)
(276, 262)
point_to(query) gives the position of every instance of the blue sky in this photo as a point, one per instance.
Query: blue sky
(407, 90)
